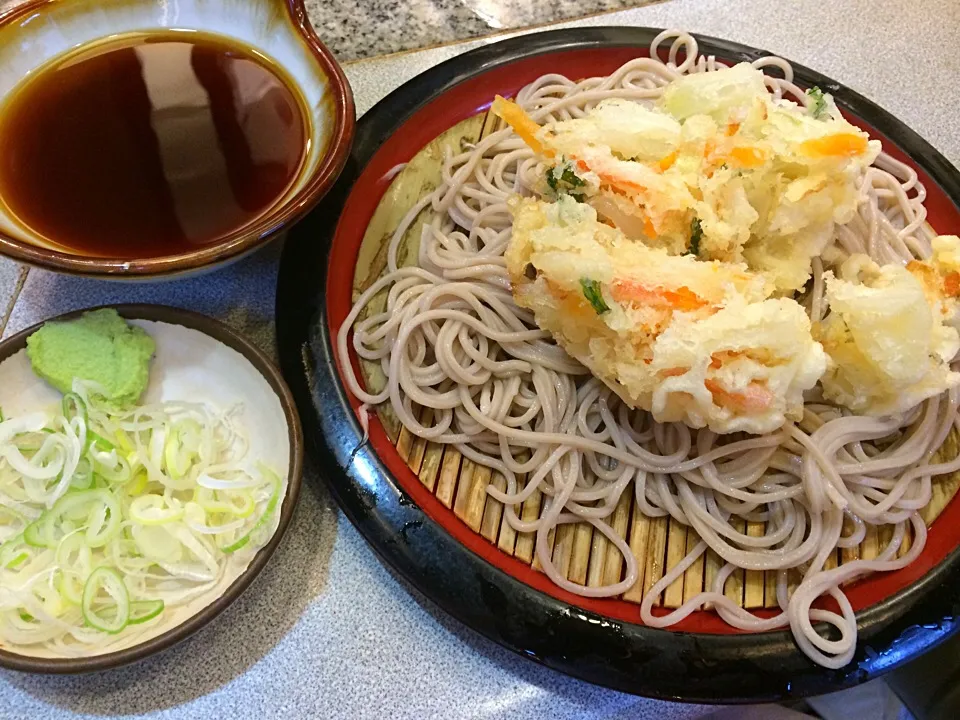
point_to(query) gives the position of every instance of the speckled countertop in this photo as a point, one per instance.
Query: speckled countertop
(327, 631)
(356, 29)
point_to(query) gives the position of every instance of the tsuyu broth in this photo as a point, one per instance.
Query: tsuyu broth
(150, 144)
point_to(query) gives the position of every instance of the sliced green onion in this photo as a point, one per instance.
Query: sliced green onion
(103, 524)
(9, 518)
(73, 407)
(35, 535)
(30, 442)
(70, 588)
(138, 483)
(13, 554)
(155, 543)
(196, 519)
(83, 475)
(123, 442)
(73, 552)
(267, 513)
(143, 610)
(199, 546)
(16, 561)
(153, 509)
(182, 447)
(207, 499)
(214, 483)
(114, 468)
(99, 442)
(107, 517)
(50, 598)
(80, 505)
(110, 617)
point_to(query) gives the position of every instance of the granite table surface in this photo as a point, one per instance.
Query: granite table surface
(327, 630)
(356, 29)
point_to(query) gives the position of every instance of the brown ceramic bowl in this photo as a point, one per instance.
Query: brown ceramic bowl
(34, 33)
(194, 342)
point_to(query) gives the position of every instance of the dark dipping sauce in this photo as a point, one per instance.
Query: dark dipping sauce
(149, 145)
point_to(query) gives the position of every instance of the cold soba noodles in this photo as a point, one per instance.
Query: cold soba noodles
(764, 313)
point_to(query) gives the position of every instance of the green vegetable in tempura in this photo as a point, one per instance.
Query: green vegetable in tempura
(819, 106)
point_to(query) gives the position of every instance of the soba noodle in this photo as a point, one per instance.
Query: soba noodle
(451, 339)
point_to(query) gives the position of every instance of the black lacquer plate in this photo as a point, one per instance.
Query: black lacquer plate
(900, 614)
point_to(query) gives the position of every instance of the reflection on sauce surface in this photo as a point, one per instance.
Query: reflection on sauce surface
(149, 145)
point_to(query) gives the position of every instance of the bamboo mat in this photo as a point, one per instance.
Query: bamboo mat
(580, 554)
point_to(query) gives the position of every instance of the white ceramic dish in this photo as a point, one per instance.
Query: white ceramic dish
(196, 359)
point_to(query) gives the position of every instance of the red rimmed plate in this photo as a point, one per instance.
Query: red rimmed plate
(701, 658)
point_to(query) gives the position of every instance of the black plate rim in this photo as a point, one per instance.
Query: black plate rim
(631, 658)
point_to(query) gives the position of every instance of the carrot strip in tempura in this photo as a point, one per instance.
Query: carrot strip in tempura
(522, 124)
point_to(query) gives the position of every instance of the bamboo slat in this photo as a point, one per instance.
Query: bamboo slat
(639, 539)
(582, 540)
(418, 447)
(733, 588)
(693, 577)
(493, 510)
(551, 539)
(430, 467)
(676, 551)
(405, 443)
(464, 481)
(563, 548)
(907, 541)
(831, 562)
(656, 554)
(613, 566)
(870, 547)
(477, 498)
(886, 536)
(770, 589)
(849, 554)
(753, 579)
(507, 539)
(598, 556)
(449, 472)
(793, 580)
(525, 541)
(943, 487)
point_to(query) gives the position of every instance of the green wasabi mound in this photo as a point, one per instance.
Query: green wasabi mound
(99, 347)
